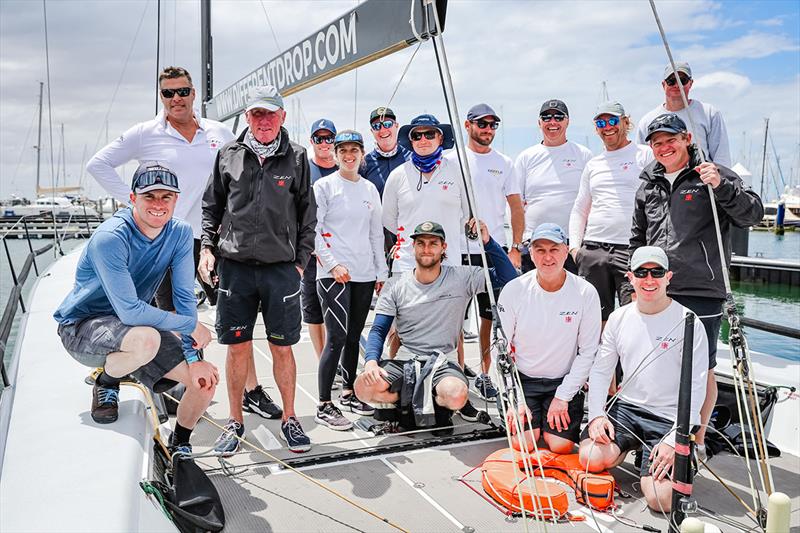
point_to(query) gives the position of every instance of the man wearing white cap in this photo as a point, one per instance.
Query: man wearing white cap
(551, 303)
(646, 337)
(600, 223)
(260, 201)
(711, 135)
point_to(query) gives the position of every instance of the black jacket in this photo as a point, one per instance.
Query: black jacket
(264, 214)
(679, 220)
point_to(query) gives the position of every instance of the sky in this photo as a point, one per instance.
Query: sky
(513, 55)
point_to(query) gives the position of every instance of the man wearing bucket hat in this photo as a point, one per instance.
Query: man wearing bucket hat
(550, 302)
(711, 135)
(428, 187)
(600, 223)
(646, 338)
(260, 200)
(672, 209)
(118, 329)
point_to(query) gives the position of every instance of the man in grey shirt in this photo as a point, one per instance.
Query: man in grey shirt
(428, 304)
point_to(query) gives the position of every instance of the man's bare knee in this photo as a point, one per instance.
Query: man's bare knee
(558, 444)
(142, 344)
(658, 494)
(594, 456)
(241, 349)
(451, 393)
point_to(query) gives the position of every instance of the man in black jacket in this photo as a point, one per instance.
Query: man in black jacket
(260, 203)
(673, 211)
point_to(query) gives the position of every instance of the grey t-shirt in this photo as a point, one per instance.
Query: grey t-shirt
(429, 317)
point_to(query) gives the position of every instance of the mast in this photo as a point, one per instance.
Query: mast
(39, 142)
(207, 56)
(764, 158)
(158, 48)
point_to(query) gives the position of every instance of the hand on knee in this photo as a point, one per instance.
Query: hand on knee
(591, 456)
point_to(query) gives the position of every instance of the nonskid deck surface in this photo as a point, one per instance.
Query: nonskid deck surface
(419, 489)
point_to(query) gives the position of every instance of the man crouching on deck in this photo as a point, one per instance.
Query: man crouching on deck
(646, 337)
(428, 303)
(106, 321)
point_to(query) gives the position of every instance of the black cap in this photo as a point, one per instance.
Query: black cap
(381, 113)
(481, 111)
(429, 228)
(668, 122)
(554, 105)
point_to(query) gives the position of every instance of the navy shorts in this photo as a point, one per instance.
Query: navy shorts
(244, 288)
(711, 308)
(312, 308)
(539, 394)
(395, 370)
(91, 340)
(632, 426)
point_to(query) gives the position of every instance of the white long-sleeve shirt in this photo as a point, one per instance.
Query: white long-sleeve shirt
(409, 200)
(549, 178)
(552, 334)
(157, 140)
(711, 134)
(649, 347)
(349, 228)
(494, 181)
(603, 209)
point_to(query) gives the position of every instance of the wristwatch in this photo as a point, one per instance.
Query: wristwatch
(518, 246)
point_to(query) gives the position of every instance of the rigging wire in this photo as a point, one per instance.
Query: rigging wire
(49, 99)
(25, 143)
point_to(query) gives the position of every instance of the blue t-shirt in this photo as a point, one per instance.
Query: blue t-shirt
(377, 168)
(318, 172)
(121, 268)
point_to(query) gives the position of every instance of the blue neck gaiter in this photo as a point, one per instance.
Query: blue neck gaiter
(427, 163)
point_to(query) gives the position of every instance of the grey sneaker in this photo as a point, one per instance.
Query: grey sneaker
(485, 387)
(296, 439)
(330, 415)
(227, 444)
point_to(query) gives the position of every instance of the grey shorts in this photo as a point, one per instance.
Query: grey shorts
(91, 340)
(605, 265)
(394, 368)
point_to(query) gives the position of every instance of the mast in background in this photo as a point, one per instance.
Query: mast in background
(207, 56)
(39, 142)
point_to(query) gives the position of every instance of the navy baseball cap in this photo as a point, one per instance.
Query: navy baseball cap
(668, 122)
(151, 176)
(348, 136)
(481, 111)
(549, 231)
(323, 124)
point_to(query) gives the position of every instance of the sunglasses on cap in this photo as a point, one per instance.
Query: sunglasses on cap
(153, 177)
(378, 124)
(671, 81)
(483, 124)
(547, 117)
(417, 135)
(319, 139)
(183, 92)
(656, 272)
(601, 122)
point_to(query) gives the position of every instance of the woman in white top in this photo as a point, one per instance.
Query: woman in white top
(349, 248)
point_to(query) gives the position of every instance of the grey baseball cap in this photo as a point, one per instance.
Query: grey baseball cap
(610, 108)
(549, 231)
(264, 97)
(649, 254)
(481, 111)
(680, 66)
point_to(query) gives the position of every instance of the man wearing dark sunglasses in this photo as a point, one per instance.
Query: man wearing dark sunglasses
(711, 135)
(179, 139)
(672, 209)
(600, 223)
(646, 338)
(388, 154)
(549, 174)
(107, 321)
(260, 200)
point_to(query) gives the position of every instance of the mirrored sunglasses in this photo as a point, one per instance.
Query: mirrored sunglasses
(378, 124)
(601, 122)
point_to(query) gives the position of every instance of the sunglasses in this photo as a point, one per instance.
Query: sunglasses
(319, 139)
(183, 92)
(601, 122)
(376, 126)
(672, 81)
(417, 135)
(152, 177)
(656, 272)
(483, 124)
(558, 117)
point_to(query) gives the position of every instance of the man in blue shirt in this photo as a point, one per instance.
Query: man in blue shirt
(106, 320)
(388, 154)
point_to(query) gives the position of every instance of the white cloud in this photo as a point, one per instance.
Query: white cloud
(723, 81)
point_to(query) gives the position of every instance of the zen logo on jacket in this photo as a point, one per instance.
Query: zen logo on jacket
(281, 180)
(688, 194)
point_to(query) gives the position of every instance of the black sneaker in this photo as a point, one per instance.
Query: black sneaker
(227, 444)
(330, 415)
(354, 405)
(257, 401)
(469, 372)
(292, 432)
(470, 337)
(105, 404)
(468, 412)
(485, 387)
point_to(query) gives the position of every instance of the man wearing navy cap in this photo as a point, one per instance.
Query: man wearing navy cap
(118, 329)
(550, 302)
(388, 154)
(323, 133)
